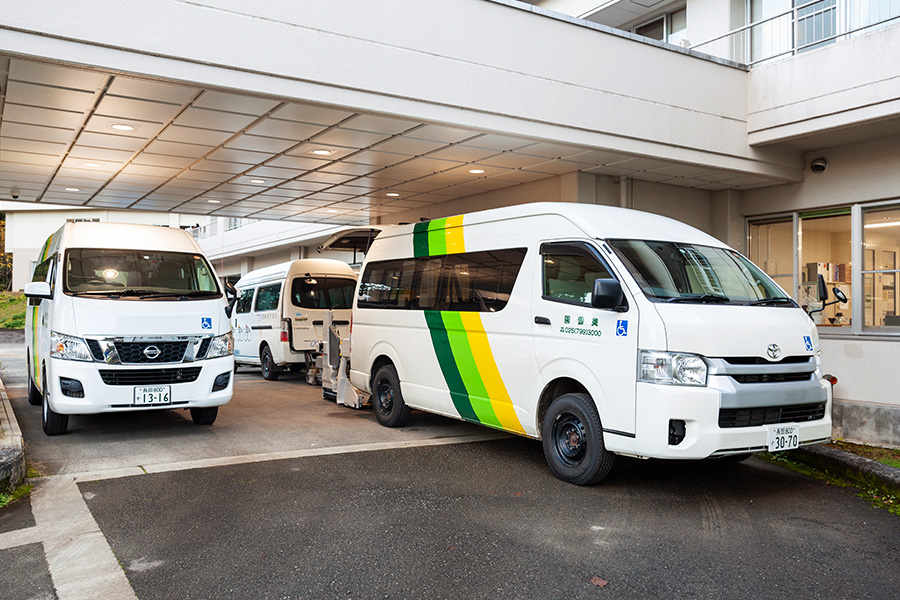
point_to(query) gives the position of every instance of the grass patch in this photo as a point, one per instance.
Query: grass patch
(876, 497)
(12, 310)
(887, 456)
(17, 494)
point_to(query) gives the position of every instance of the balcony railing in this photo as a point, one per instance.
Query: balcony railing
(807, 26)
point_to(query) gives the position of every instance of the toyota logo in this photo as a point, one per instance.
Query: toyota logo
(773, 351)
(152, 352)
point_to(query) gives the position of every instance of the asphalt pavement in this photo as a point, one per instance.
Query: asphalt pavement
(290, 496)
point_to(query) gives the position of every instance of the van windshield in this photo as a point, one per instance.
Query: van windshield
(137, 274)
(678, 272)
(322, 292)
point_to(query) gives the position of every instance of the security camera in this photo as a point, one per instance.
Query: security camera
(14, 192)
(818, 165)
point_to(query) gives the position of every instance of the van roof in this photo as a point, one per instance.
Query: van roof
(127, 236)
(318, 267)
(596, 221)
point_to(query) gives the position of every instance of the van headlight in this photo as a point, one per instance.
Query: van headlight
(221, 345)
(672, 368)
(67, 347)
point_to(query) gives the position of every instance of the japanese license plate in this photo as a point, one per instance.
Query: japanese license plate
(152, 394)
(783, 437)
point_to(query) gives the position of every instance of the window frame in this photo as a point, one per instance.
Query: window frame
(576, 248)
(257, 295)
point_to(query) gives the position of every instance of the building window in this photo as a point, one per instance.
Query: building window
(670, 28)
(881, 271)
(771, 247)
(825, 250)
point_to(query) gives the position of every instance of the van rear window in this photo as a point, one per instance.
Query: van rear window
(468, 282)
(322, 292)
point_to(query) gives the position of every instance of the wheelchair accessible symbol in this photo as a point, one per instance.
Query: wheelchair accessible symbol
(621, 328)
(808, 341)
(205, 322)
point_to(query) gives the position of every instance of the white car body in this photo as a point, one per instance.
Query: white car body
(146, 350)
(502, 366)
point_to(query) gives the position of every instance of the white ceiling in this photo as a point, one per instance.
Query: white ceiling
(197, 151)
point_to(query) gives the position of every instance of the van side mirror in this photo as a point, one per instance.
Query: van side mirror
(608, 294)
(231, 294)
(38, 289)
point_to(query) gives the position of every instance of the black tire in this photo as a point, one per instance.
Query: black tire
(387, 399)
(270, 370)
(573, 440)
(204, 416)
(52, 422)
(34, 394)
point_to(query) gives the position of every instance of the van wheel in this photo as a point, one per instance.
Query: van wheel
(204, 416)
(573, 440)
(269, 369)
(387, 401)
(53, 422)
(34, 394)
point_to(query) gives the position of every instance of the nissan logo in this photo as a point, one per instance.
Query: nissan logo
(773, 351)
(152, 352)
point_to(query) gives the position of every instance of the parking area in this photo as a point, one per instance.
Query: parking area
(288, 495)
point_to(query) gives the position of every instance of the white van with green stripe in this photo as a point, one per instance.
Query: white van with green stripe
(598, 330)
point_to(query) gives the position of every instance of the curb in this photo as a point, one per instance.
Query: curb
(856, 468)
(12, 446)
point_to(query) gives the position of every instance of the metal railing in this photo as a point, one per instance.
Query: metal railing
(802, 28)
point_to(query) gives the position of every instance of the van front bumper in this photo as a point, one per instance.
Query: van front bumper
(117, 392)
(699, 409)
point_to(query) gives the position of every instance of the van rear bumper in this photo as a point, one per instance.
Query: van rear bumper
(102, 397)
(699, 409)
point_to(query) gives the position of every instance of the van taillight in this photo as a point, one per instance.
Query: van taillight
(285, 329)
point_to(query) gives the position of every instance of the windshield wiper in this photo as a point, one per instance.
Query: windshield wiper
(700, 298)
(777, 300)
(151, 294)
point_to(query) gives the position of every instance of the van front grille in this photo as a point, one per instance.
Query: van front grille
(769, 415)
(149, 376)
(772, 377)
(133, 352)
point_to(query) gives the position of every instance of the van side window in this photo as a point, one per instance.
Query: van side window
(44, 271)
(469, 281)
(569, 271)
(244, 302)
(267, 297)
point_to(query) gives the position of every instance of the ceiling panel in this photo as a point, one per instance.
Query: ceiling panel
(19, 145)
(20, 113)
(235, 103)
(48, 97)
(89, 153)
(411, 146)
(214, 119)
(376, 124)
(316, 115)
(149, 90)
(115, 106)
(56, 76)
(36, 132)
(112, 141)
(194, 135)
(260, 144)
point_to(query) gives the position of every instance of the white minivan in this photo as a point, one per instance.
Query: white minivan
(598, 330)
(126, 317)
(278, 320)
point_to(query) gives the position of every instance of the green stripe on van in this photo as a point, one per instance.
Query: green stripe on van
(444, 352)
(420, 240)
(437, 237)
(465, 363)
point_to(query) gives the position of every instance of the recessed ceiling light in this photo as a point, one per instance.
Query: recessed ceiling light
(122, 127)
(73, 189)
(213, 201)
(392, 194)
(92, 165)
(257, 181)
(476, 171)
(322, 152)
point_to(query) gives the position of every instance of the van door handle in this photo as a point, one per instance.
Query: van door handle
(542, 320)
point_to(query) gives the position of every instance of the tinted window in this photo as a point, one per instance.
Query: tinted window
(136, 273)
(322, 292)
(267, 297)
(244, 302)
(470, 281)
(569, 273)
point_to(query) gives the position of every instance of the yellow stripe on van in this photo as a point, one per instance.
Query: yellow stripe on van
(490, 374)
(454, 231)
